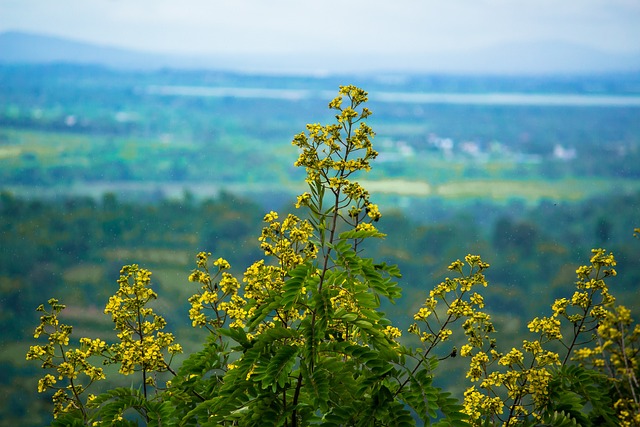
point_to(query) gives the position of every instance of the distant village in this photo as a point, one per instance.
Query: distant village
(397, 150)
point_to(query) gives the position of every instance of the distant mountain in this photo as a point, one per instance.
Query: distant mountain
(541, 58)
(18, 47)
(523, 58)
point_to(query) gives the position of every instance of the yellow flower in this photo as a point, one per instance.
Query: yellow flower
(303, 200)
(472, 399)
(465, 350)
(392, 332)
(456, 266)
(45, 382)
(477, 299)
(364, 226)
(549, 327)
(335, 103)
(35, 352)
(559, 306)
(514, 357)
(201, 259)
(477, 366)
(373, 212)
(222, 264)
(174, 349)
(445, 334)
(271, 216)
(422, 314)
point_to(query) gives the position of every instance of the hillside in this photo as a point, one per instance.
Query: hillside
(550, 57)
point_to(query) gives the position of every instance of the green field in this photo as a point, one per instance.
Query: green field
(530, 191)
(92, 165)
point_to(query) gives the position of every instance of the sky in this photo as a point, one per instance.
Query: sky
(341, 26)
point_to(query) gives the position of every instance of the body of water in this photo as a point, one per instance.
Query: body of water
(525, 99)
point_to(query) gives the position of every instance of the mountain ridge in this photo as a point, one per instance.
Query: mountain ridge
(514, 58)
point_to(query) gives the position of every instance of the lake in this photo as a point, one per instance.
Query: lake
(525, 99)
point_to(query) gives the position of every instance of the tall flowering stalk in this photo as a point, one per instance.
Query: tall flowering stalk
(142, 341)
(313, 300)
(141, 348)
(66, 364)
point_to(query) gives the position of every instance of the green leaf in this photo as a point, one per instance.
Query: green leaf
(112, 404)
(279, 368)
(319, 382)
(237, 334)
(262, 312)
(68, 420)
(292, 289)
(360, 234)
(582, 393)
(348, 317)
(560, 419)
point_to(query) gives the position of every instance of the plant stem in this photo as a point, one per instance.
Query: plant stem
(296, 396)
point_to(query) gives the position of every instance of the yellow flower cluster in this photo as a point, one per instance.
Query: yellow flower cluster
(303, 200)
(142, 345)
(617, 354)
(235, 308)
(422, 314)
(332, 153)
(355, 191)
(513, 358)
(549, 327)
(287, 241)
(142, 342)
(525, 372)
(365, 226)
(477, 366)
(67, 364)
(454, 294)
(476, 405)
(344, 299)
(525, 382)
(460, 308)
(392, 332)
(219, 294)
(538, 385)
(628, 411)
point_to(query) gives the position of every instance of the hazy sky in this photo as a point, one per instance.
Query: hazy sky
(285, 26)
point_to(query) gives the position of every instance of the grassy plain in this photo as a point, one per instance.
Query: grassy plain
(530, 191)
(95, 159)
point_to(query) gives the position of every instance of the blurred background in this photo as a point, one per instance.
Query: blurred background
(147, 131)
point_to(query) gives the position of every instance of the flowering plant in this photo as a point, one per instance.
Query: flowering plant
(300, 339)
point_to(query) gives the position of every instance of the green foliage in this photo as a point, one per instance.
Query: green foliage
(301, 339)
(582, 394)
